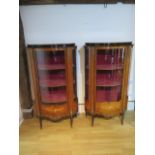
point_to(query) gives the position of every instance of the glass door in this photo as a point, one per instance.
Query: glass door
(109, 74)
(51, 75)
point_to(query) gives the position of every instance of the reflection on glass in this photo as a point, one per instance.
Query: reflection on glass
(50, 60)
(52, 78)
(109, 74)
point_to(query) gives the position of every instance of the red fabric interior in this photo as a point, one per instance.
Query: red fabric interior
(57, 79)
(54, 96)
(109, 57)
(111, 62)
(109, 74)
(51, 77)
(51, 60)
(110, 94)
(109, 78)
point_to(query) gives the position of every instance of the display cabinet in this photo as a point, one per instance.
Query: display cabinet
(53, 69)
(107, 68)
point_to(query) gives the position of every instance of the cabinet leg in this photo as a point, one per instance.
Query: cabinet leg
(40, 122)
(122, 119)
(86, 114)
(71, 121)
(77, 114)
(92, 121)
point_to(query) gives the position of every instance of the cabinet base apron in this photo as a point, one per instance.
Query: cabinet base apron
(58, 119)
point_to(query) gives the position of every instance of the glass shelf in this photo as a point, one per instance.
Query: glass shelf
(101, 83)
(52, 83)
(51, 67)
(109, 67)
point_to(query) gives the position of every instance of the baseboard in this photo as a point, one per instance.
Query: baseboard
(27, 113)
(81, 108)
(131, 105)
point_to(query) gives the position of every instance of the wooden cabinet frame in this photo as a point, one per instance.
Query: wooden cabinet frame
(55, 112)
(106, 109)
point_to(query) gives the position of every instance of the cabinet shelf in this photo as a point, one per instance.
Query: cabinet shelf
(51, 67)
(109, 67)
(53, 83)
(107, 83)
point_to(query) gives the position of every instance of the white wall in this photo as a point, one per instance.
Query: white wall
(79, 24)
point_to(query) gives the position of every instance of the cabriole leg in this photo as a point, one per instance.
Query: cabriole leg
(40, 121)
(92, 122)
(122, 118)
(71, 121)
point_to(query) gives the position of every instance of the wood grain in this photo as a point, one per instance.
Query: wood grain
(107, 137)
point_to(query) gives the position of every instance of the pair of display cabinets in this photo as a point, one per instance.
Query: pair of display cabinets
(53, 69)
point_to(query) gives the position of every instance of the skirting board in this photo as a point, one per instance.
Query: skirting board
(27, 113)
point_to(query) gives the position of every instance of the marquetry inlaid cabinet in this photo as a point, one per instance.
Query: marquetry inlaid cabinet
(53, 69)
(107, 68)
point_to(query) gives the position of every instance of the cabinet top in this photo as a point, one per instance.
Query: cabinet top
(110, 44)
(51, 45)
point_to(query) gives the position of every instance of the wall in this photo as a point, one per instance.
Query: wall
(80, 24)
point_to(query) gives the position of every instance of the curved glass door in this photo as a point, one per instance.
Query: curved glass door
(109, 74)
(51, 75)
